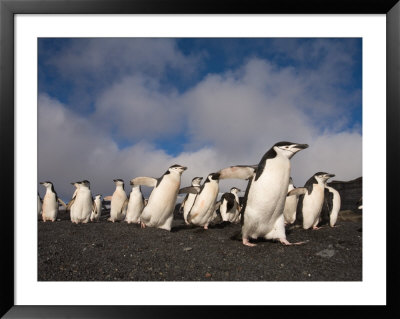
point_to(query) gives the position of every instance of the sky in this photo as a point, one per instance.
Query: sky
(126, 107)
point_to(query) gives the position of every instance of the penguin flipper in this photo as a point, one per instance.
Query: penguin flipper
(94, 207)
(146, 181)
(183, 203)
(62, 202)
(190, 189)
(297, 191)
(68, 207)
(125, 205)
(238, 171)
(217, 205)
(326, 207)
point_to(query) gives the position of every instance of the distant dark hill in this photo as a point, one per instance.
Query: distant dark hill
(350, 192)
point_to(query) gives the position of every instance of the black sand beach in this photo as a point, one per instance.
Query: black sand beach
(104, 251)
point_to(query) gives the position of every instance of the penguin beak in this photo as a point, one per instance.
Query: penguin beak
(41, 183)
(330, 175)
(301, 146)
(184, 168)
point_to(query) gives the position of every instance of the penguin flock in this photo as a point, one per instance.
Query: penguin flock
(270, 203)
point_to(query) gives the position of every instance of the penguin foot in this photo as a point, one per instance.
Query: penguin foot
(142, 225)
(205, 226)
(316, 228)
(246, 242)
(285, 242)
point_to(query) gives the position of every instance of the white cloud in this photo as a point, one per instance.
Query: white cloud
(135, 109)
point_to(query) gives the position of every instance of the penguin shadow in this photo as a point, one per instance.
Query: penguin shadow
(221, 225)
(182, 227)
(237, 236)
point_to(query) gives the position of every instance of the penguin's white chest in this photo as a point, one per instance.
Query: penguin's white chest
(135, 206)
(82, 206)
(97, 202)
(83, 200)
(50, 206)
(312, 206)
(162, 199)
(189, 202)
(49, 203)
(204, 204)
(267, 194)
(117, 201)
(118, 198)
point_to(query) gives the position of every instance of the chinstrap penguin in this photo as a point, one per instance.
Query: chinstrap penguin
(97, 209)
(331, 206)
(203, 208)
(311, 200)
(230, 207)
(135, 205)
(50, 202)
(264, 200)
(188, 201)
(161, 204)
(83, 203)
(119, 202)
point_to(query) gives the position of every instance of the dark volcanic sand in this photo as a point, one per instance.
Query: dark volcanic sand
(105, 251)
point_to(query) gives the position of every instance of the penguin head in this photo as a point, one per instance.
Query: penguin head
(196, 181)
(323, 177)
(288, 149)
(118, 182)
(76, 184)
(133, 184)
(47, 184)
(85, 183)
(213, 177)
(177, 169)
(235, 190)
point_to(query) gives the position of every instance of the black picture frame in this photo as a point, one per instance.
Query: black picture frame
(8, 9)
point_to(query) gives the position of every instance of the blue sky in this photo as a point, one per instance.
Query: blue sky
(127, 107)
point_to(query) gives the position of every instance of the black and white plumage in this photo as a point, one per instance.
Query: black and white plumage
(230, 207)
(160, 207)
(331, 206)
(119, 202)
(50, 203)
(82, 206)
(203, 208)
(135, 205)
(311, 200)
(97, 208)
(289, 211)
(262, 212)
(188, 201)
